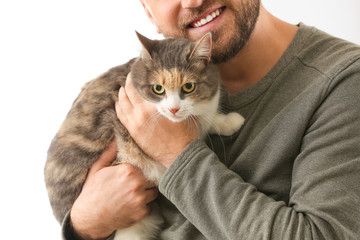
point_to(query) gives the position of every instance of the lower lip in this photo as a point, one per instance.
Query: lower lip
(208, 27)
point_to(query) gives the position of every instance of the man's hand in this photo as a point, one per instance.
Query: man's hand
(113, 197)
(160, 138)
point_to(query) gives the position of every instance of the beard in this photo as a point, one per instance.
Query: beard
(245, 20)
(246, 13)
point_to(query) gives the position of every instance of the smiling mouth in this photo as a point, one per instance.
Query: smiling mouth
(208, 18)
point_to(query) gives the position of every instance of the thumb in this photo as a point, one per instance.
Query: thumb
(105, 158)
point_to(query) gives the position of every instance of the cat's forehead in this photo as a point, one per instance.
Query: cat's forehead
(172, 53)
(171, 78)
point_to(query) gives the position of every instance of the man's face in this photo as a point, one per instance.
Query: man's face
(231, 22)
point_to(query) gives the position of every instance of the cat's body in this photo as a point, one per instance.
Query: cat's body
(173, 74)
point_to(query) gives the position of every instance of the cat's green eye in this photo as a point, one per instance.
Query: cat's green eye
(158, 89)
(188, 87)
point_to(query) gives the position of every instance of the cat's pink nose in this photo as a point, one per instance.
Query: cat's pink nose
(174, 110)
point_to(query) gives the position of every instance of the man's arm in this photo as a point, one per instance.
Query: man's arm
(324, 196)
(68, 231)
(324, 199)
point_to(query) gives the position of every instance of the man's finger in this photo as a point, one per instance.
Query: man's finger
(124, 99)
(132, 93)
(151, 194)
(149, 185)
(123, 107)
(105, 158)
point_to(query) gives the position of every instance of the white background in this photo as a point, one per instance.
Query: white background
(49, 49)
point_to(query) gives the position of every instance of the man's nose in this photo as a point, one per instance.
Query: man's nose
(191, 3)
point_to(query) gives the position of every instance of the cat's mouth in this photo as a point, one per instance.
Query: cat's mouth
(206, 18)
(176, 118)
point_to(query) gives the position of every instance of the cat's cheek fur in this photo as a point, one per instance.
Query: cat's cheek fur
(214, 122)
(205, 112)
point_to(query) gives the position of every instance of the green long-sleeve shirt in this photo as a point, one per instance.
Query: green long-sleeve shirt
(293, 170)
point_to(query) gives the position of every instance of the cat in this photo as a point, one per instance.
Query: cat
(177, 76)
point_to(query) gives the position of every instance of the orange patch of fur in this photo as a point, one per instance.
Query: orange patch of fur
(170, 80)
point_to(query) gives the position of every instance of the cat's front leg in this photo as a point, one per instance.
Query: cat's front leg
(226, 124)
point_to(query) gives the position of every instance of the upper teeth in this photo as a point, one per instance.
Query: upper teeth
(208, 18)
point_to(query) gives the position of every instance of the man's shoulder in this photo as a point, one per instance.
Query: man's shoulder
(327, 54)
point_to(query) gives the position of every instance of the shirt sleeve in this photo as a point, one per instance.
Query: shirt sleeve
(324, 200)
(67, 232)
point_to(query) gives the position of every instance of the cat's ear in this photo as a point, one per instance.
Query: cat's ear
(147, 44)
(202, 50)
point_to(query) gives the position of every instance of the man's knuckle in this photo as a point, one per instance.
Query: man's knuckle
(140, 200)
(129, 170)
(142, 213)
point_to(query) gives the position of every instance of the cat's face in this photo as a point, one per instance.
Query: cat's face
(178, 95)
(176, 76)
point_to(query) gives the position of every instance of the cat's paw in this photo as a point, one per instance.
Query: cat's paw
(227, 124)
(231, 124)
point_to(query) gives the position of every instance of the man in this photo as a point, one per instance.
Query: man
(291, 172)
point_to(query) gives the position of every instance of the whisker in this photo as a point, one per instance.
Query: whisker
(146, 126)
(201, 120)
(194, 124)
(149, 128)
(210, 122)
